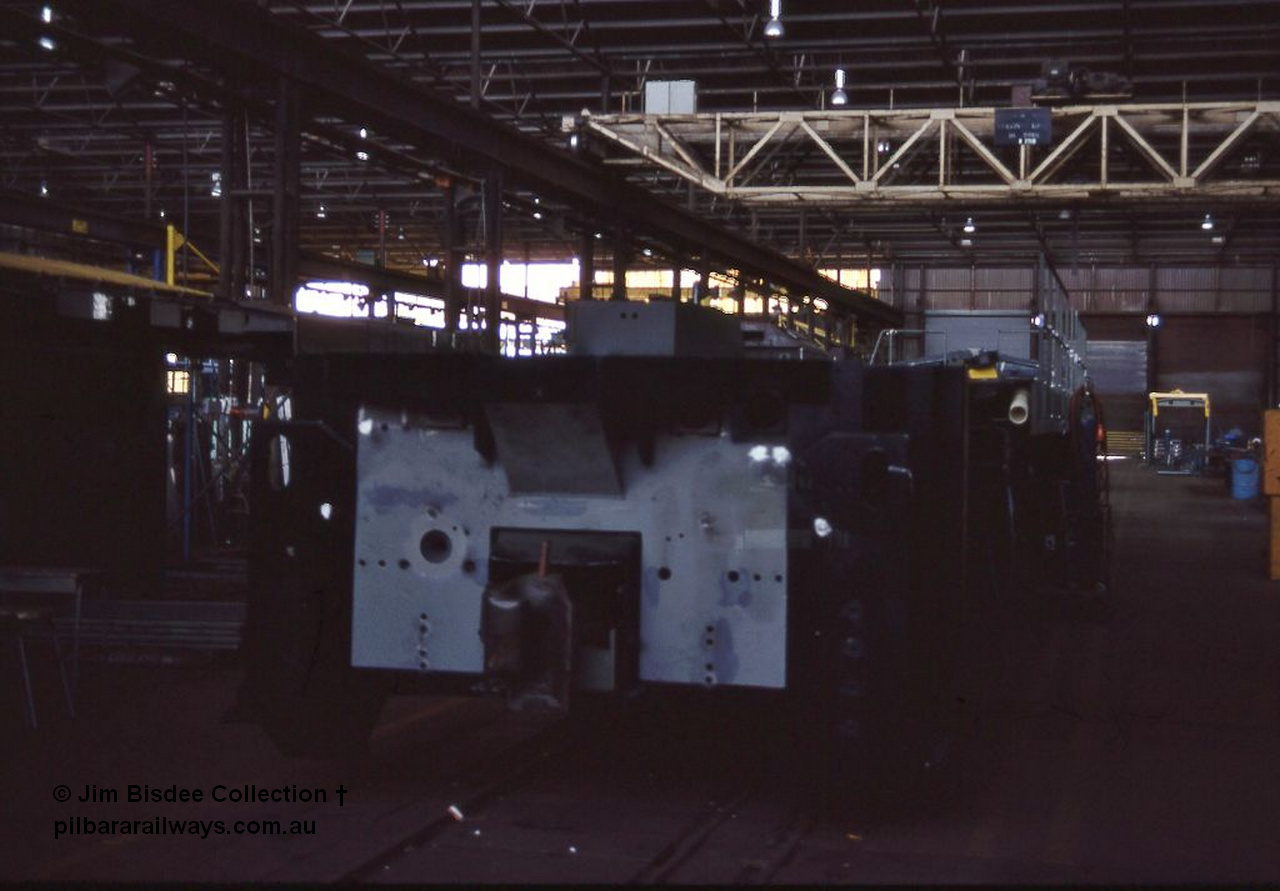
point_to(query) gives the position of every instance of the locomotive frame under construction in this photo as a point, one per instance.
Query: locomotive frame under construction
(801, 531)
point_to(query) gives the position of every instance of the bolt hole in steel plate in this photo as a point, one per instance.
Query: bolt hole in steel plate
(437, 545)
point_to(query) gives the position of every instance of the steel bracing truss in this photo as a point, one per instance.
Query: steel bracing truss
(941, 156)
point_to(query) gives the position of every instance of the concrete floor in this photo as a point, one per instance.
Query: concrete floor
(1143, 746)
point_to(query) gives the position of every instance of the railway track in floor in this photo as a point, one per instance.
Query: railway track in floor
(605, 802)
(473, 791)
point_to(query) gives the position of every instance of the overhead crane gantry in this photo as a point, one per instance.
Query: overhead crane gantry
(1183, 145)
(239, 37)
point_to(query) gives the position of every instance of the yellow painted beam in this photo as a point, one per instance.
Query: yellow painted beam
(85, 272)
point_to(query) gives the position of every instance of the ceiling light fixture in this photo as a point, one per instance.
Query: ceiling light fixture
(364, 133)
(320, 212)
(362, 156)
(1207, 223)
(44, 189)
(839, 96)
(46, 14)
(47, 42)
(969, 226)
(773, 27)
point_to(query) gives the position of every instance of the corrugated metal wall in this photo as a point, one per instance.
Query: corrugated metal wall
(1224, 357)
(1214, 335)
(1093, 289)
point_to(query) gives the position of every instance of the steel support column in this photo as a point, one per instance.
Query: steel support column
(704, 279)
(621, 260)
(285, 192)
(493, 260)
(233, 228)
(587, 267)
(452, 259)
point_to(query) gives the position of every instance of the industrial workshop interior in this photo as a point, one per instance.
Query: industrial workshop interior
(639, 441)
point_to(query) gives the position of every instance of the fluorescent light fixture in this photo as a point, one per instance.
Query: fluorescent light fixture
(839, 96)
(773, 27)
(1207, 223)
(969, 227)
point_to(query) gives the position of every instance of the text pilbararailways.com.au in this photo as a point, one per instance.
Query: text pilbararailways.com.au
(158, 825)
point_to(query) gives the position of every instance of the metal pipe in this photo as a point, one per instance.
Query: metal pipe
(1020, 407)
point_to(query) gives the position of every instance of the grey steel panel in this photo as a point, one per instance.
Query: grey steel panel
(708, 507)
(661, 328)
(1010, 333)
(1118, 366)
(550, 449)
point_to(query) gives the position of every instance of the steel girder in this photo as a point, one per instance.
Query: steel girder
(233, 36)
